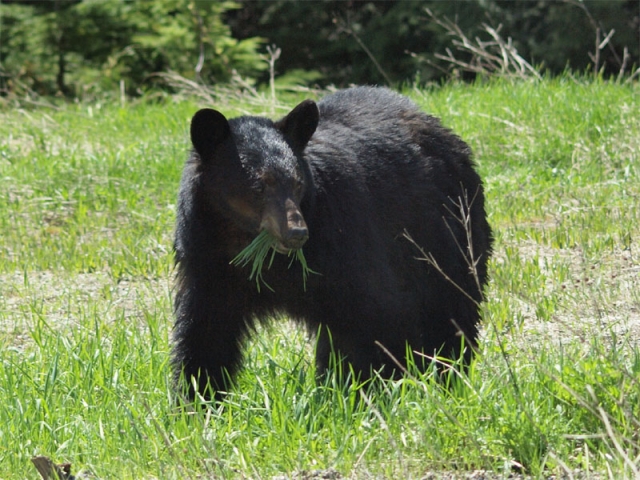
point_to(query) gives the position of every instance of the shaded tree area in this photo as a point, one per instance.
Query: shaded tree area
(394, 42)
(76, 48)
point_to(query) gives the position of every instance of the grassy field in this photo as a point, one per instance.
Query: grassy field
(86, 220)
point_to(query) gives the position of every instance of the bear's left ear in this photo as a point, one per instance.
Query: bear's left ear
(300, 124)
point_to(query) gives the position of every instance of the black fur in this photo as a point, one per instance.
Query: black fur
(352, 174)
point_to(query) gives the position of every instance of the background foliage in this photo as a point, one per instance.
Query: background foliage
(73, 46)
(80, 47)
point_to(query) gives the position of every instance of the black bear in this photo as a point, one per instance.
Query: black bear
(349, 179)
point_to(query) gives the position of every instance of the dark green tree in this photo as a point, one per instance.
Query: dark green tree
(347, 41)
(393, 42)
(71, 46)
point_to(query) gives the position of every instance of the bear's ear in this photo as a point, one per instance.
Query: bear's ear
(300, 124)
(209, 128)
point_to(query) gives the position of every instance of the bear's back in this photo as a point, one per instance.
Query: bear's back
(371, 125)
(361, 125)
(364, 102)
(377, 136)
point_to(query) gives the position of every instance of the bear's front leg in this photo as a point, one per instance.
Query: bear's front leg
(207, 338)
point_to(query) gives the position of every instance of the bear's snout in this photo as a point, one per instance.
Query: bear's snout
(295, 237)
(285, 222)
(296, 232)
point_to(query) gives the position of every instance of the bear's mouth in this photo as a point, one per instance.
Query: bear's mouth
(292, 241)
(280, 248)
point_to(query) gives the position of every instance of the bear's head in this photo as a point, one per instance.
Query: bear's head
(253, 171)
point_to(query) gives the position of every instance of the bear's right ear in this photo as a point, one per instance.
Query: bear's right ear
(209, 128)
(300, 124)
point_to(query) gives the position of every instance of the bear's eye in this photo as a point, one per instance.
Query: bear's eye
(268, 180)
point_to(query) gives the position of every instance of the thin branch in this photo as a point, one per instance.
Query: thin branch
(430, 259)
(274, 54)
(491, 57)
(200, 64)
(346, 28)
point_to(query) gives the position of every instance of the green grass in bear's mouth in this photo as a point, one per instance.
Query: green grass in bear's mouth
(256, 254)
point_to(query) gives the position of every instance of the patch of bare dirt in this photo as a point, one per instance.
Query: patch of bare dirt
(332, 474)
(62, 300)
(601, 298)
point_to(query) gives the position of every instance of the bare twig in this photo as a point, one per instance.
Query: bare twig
(237, 89)
(345, 27)
(602, 44)
(50, 471)
(430, 259)
(462, 216)
(623, 67)
(200, 27)
(464, 205)
(495, 57)
(274, 54)
(186, 85)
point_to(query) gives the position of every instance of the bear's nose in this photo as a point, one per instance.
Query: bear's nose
(296, 237)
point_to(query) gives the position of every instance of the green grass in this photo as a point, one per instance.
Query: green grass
(255, 254)
(86, 222)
